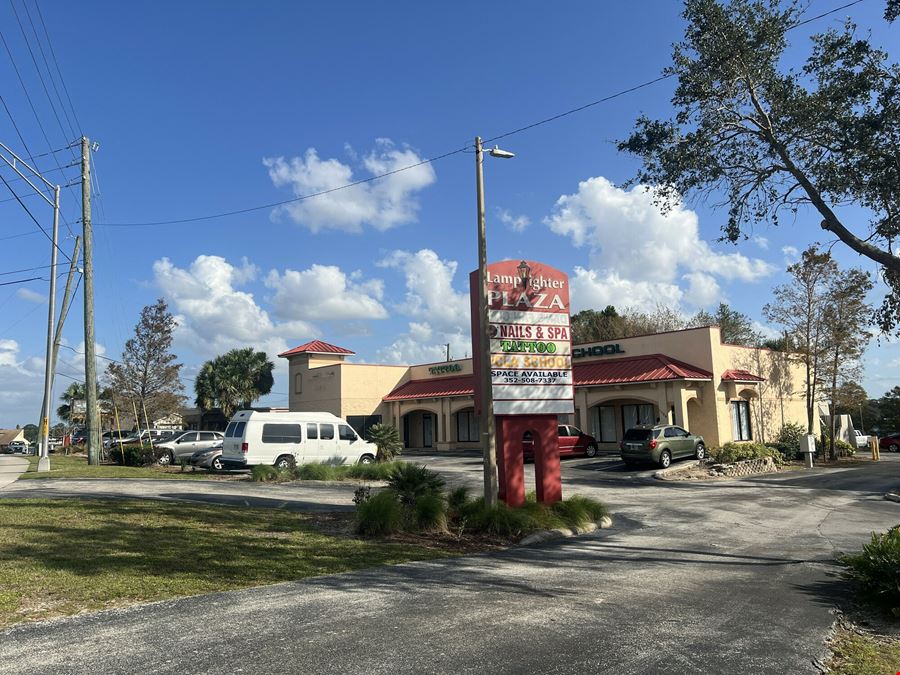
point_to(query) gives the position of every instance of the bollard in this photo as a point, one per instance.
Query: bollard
(875, 448)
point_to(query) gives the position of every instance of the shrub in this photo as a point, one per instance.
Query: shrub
(263, 473)
(133, 455)
(387, 441)
(457, 500)
(379, 515)
(430, 513)
(788, 440)
(412, 481)
(315, 472)
(579, 506)
(877, 569)
(542, 516)
(844, 448)
(737, 452)
(362, 494)
(377, 471)
(499, 520)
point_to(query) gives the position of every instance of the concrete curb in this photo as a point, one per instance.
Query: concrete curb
(892, 497)
(563, 532)
(675, 468)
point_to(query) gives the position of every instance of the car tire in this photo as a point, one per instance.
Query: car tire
(165, 459)
(665, 459)
(893, 447)
(590, 451)
(367, 459)
(701, 451)
(217, 465)
(285, 462)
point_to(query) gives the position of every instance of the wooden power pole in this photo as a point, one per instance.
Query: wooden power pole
(92, 416)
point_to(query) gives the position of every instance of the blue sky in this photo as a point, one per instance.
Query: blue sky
(207, 107)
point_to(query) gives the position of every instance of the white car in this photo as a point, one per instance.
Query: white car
(285, 439)
(861, 440)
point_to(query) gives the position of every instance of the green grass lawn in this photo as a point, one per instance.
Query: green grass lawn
(63, 466)
(59, 557)
(855, 654)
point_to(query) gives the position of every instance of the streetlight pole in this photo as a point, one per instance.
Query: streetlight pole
(13, 161)
(487, 395)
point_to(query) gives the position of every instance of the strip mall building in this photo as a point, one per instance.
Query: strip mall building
(689, 378)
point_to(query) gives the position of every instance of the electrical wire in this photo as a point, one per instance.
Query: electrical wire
(28, 211)
(436, 158)
(21, 234)
(21, 281)
(62, 80)
(27, 269)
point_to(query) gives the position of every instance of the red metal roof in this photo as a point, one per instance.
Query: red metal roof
(459, 385)
(738, 375)
(632, 369)
(316, 347)
(650, 368)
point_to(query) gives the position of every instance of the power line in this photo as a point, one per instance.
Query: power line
(47, 66)
(16, 127)
(36, 222)
(430, 160)
(27, 269)
(37, 68)
(21, 234)
(21, 281)
(56, 63)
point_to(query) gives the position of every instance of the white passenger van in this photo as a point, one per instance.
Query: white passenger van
(284, 439)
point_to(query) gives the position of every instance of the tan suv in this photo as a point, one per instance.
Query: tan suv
(660, 445)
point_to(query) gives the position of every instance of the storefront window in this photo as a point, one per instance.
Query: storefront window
(466, 427)
(740, 420)
(638, 415)
(607, 424)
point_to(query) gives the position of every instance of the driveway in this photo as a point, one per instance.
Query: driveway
(710, 577)
(11, 467)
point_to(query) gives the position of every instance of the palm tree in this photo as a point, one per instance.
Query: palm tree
(233, 380)
(387, 441)
(74, 392)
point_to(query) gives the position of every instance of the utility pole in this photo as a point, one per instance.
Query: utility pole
(44, 461)
(448, 351)
(63, 311)
(14, 163)
(92, 416)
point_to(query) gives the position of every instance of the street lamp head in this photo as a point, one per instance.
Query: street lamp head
(502, 154)
(524, 272)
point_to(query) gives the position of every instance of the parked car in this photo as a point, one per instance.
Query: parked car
(862, 441)
(284, 439)
(891, 442)
(211, 459)
(184, 444)
(572, 442)
(18, 448)
(660, 445)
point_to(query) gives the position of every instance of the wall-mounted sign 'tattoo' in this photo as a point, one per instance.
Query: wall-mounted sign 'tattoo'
(531, 349)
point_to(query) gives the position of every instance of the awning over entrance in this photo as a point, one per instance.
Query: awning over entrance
(737, 375)
(629, 370)
(633, 369)
(463, 385)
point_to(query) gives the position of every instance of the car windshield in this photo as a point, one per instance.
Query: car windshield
(638, 434)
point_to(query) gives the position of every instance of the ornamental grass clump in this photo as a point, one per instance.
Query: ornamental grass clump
(876, 570)
(380, 515)
(263, 473)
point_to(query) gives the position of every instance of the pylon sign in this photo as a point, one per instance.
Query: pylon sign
(531, 349)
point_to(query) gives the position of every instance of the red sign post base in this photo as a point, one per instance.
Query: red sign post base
(511, 458)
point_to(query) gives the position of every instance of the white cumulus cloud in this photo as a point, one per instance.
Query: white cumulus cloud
(31, 296)
(214, 316)
(325, 292)
(383, 203)
(441, 312)
(515, 223)
(635, 247)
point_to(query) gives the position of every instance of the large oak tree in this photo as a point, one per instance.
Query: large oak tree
(764, 140)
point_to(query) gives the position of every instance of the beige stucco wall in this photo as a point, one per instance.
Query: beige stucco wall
(333, 385)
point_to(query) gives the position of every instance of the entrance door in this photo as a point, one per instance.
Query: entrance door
(427, 431)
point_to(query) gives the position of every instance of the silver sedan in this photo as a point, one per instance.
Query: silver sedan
(208, 458)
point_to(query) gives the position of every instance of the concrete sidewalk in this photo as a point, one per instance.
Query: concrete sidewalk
(11, 467)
